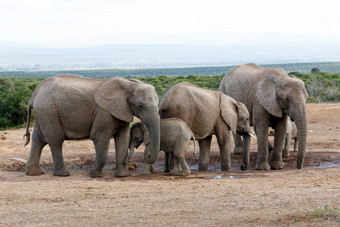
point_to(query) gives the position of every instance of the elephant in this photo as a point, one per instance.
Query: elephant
(175, 138)
(270, 96)
(68, 107)
(207, 113)
(291, 133)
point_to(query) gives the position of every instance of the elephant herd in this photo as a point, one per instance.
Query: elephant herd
(70, 107)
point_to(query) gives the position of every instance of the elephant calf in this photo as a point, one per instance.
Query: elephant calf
(175, 137)
(290, 134)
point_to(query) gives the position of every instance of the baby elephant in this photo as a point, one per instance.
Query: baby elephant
(290, 134)
(175, 137)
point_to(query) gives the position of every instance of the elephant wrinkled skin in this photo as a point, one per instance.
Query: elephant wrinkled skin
(207, 113)
(270, 96)
(72, 107)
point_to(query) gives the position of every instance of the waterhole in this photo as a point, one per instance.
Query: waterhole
(313, 160)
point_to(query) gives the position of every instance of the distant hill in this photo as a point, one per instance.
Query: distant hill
(160, 56)
(330, 67)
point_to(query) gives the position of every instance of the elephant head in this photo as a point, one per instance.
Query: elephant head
(124, 98)
(235, 114)
(139, 134)
(286, 95)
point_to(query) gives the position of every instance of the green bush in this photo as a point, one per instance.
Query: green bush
(15, 92)
(14, 97)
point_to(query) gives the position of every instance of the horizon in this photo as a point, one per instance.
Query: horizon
(47, 34)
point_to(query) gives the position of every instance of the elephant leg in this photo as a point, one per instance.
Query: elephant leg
(38, 143)
(238, 144)
(101, 144)
(285, 151)
(295, 144)
(179, 153)
(279, 137)
(122, 139)
(58, 161)
(174, 167)
(204, 157)
(147, 166)
(224, 143)
(262, 144)
(166, 162)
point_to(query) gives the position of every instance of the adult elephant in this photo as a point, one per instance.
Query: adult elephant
(72, 107)
(270, 96)
(207, 113)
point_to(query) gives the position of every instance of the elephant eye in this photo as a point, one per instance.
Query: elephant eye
(288, 99)
(140, 106)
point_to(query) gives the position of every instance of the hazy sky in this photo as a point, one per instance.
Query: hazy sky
(79, 23)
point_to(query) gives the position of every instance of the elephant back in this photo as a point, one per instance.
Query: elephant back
(197, 107)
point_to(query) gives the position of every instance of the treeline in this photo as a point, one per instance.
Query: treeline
(321, 86)
(15, 92)
(305, 68)
(14, 96)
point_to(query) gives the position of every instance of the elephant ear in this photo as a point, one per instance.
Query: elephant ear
(112, 97)
(229, 111)
(266, 95)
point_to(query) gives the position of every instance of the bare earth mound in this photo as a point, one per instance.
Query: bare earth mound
(252, 198)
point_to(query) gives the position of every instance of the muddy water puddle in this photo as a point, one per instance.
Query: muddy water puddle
(214, 171)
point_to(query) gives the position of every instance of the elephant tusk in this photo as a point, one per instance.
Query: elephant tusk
(252, 135)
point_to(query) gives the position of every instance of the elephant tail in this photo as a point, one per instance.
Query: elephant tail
(193, 139)
(28, 134)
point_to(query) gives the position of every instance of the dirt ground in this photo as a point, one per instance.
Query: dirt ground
(307, 197)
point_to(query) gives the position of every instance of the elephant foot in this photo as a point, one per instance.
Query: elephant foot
(186, 173)
(146, 171)
(34, 171)
(238, 150)
(277, 165)
(225, 167)
(243, 167)
(96, 174)
(285, 154)
(203, 167)
(263, 166)
(61, 172)
(122, 172)
(174, 172)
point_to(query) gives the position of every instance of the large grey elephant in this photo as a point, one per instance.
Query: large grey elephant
(72, 107)
(175, 138)
(207, 113)
(270, 96)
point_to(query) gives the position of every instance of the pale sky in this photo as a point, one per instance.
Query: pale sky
(81, 23)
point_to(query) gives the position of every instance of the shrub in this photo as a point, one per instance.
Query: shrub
(14, 97)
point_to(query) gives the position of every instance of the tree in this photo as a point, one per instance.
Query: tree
(315, 71)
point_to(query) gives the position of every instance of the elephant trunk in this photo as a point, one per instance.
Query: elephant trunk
(128, 156)
(153, 125)
(246, 151)
(300, 120)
